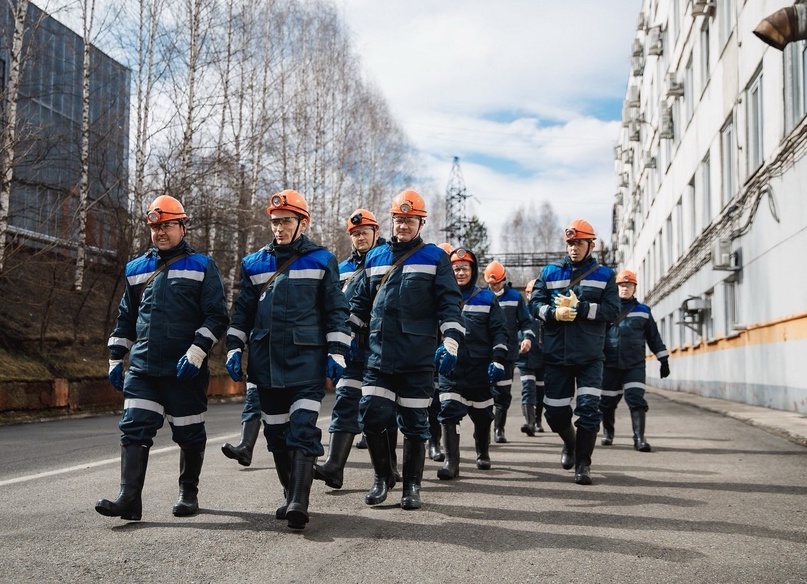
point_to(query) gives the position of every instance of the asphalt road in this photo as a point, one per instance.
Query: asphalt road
(717, 501)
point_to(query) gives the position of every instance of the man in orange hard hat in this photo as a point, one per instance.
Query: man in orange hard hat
(531, 371)
(363, 229)
(625, 361)
(520, 337)
(291, 314)
(406, 297)
(171, 314)
(575, 299)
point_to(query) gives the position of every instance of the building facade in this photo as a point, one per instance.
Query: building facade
(710, 208)
(43, 207)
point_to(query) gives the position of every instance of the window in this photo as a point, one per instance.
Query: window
(678, 223)
(795, 55)
(731, 306)
(705, 55)
(693, 210)
(706, 191)
(708, 321)
(728, 160)
(726, 15)
(689, 91)
(668, 243)
(755, 124)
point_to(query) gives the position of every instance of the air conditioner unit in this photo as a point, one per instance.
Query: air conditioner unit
(674, 88)
(633, 96)
(702, 8)
(655, 45)
(666, 125)
(626, 115)
(624, 240)
(627, 156)
(630, 225)
(633, 131)
(618, 198)
(641, 22)
(637, 65)
(617, 152)
(648, 160)
(721, 253)
(637, 49)
(624, 180)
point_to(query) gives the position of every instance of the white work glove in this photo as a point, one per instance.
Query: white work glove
(190, 363)
(571, 300)
(565, 314)
(525, 346)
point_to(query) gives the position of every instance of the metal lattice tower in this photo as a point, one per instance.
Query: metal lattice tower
(455, 205)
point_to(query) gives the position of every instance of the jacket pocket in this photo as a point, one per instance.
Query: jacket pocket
(421, 328)
(308, 336)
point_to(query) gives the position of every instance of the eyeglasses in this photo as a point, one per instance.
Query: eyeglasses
(366, 232)
(167, 226)
(284, 221)
(406, 220)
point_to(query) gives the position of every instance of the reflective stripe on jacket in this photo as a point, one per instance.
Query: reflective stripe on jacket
(625, 341)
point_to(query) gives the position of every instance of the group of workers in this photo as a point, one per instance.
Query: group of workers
(411, 339)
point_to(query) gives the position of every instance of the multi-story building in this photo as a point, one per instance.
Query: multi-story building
(710, 209)
(43, 207)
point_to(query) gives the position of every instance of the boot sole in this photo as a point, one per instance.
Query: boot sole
(297, 518)
(125, 515)
(235, 456)
(447, 475)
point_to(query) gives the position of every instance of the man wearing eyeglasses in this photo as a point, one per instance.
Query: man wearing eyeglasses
(171, 314)
(575, 299)
(363, 230)
(291, 313)
(406, 297)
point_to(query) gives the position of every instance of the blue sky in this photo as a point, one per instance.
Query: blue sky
(527, 93)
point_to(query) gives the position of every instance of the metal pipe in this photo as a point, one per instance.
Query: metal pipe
(784, 26)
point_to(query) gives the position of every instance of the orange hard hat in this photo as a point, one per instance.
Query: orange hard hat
(288, 200)
(528, 288)
(462, 254)
(446, 247)
(495, 273)
(626, 277)
(579, 229)
(361, 218)
(410, 203)
(165, 208)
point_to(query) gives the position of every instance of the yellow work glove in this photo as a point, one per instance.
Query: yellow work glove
(565, 314)
(571, 300)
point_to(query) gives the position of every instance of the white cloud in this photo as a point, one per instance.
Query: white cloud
(511, 87)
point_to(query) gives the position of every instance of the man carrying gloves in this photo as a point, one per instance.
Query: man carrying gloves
(290, 313)
(625, 362)
(405, 296)
(576, 299)
(171, 314)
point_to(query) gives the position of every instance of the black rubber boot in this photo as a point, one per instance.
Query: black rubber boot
(529, 416)
(414, 456)
(482, 443)
(332, 470)
(586, 439)
(242, 452)
(435, 452)
(392, 440)
(362, 443)
(608, 419)
(190, 466)
(567, 454)
(134, 459)
(302, 475)
(451, 444)
(283, 469)
(539, 412)
(378, 446)
(637, 418)
(499, 420)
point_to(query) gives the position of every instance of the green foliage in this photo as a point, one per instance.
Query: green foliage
(476, 237)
